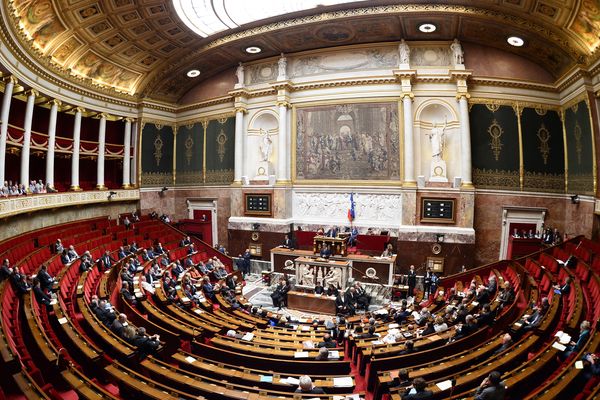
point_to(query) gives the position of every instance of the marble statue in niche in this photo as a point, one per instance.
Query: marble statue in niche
(437, 137)
(266, 145)
(282, 68)
(239, 73)
(404, 52)
(457, 53)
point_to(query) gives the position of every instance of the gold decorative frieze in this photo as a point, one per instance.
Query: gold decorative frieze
(156, 178)
(496, 179)
(544, 182)
(219, 176)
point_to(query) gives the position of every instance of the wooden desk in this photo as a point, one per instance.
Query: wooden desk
(338, 245)
(311, 303)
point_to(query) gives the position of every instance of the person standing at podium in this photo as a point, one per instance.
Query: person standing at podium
(287, 242)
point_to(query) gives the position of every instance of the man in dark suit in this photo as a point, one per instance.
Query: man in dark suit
(575, 347)
(491, 388)
(40, 295)
(332, 232)
(5, 270)
(208, 290)
(418, 391)
(185, 241)
(159, 249)
(325, 251)
(46, 281)
(119, 324)
(121, 253)
(106, 261)
(327, 342)
(287, 242)
(65, 259)
(411, 280)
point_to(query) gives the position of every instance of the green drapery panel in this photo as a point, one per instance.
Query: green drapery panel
(579, 149)
(494, 146)
(190, 153)
(543, 151)
(157, 155)
(220, 146)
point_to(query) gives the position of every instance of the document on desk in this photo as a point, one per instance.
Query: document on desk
(248, 336)
(558, 346)
(444, 385)
(349, 397)
(266, 378)
(345, 381)
(334, 354)
(301, 354)
(190, 359)
(292, 381)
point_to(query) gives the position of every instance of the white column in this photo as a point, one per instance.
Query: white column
(75, 155)
(282, 153)
(51, 143)
(409, 162)
(134, 165)
(27, 138)
(8, 91)
(465, 142)
(239, 144)
(127, 154)
(101, 150)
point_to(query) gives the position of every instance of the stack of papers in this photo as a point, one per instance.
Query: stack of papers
(248, 336)
(266, 378)
(444, 385)
(290, 381)
(301, 354)
(190, 359)
(558, 346)
(63, 320)
(345, 381)
(334, 354)
(563, 337)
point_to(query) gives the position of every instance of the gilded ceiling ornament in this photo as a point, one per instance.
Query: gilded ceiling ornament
(540, 111)
(189, 145)
(575, 107)
(492, 107)
(495, 131)
(158, 145)
(222, 120)
(578, 145)
(221, 140)
(544, 135)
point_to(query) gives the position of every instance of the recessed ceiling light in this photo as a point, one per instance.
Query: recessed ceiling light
(192, 73)
(427, 28)
(515, 41)
(253, 50)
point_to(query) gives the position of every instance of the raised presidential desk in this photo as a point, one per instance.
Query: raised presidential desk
(337, 245)
(311, 302)
(361, 268)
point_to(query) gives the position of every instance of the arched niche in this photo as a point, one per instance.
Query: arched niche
(261, 121)
(428, 114)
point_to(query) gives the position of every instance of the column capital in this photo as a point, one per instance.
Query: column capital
(283, 103)
(241, 109)
(32, 92)
(410, 95)
(80, 110)
(460, 95)
(101, 116)
(10, 79)
(129, 119)
(55, 102)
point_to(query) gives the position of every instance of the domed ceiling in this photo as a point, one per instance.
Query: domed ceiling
(142, 49)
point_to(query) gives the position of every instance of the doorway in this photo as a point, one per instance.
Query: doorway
(522, 219)
(204, 215)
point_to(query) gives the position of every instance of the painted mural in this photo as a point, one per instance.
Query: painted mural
(348, 142)
(39, 20)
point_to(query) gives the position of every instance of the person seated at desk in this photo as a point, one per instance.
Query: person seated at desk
(325, 251)
(332, 232)
(287, 242)
(388, 252)
(332, 290)
(320, 232)
(319, 289)
(352, 239)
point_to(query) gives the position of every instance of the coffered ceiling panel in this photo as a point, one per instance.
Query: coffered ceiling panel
(141, 48)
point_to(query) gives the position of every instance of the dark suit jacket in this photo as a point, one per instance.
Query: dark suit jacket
(426, 394)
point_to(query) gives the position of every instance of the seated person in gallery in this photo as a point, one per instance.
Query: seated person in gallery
(320, 232)
(370, 232)
(332, 290)
(325, 251)
(516, 233)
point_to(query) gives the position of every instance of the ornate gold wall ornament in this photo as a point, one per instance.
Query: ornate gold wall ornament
(158, 145)
(492, 107)
(540, 111)
(575, 107)
(222, 120)
(495, 131)
(544, 135)
(221, 140)
(189, 145)
(578, 145)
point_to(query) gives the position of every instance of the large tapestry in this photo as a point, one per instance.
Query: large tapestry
(348, 142)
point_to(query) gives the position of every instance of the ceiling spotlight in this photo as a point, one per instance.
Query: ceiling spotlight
(192, 73)
(427, 28)
(253, 50)
(515, 41)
